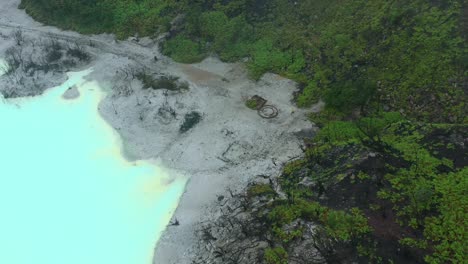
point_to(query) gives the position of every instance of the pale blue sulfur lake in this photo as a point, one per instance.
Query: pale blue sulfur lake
(67, 196)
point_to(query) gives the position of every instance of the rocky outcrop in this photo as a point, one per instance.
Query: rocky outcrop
(71, 93)
(241, 232)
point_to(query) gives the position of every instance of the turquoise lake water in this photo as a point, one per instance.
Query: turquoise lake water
(66, 194)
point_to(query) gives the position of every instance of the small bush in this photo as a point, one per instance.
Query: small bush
(231, 39)
(284, 214)
(289, 235)
(309, 96)
(266, 57)
(338, 131)
(325, 116)
(166, 82)
(184, 50)
(261, 189)
(252, 104)
(346, 226)
(277, 255)
(170, 83)
(347, 96)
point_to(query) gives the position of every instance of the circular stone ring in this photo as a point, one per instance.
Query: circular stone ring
(268, 111)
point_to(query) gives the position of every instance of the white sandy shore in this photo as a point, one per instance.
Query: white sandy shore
(228, 148)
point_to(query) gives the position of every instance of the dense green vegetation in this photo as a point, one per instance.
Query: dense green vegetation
(382, 184)
(122, 17)
(408, 56)
(390, 158)
(398, 172)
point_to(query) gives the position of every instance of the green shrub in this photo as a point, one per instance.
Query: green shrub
(230, 38)
(309, 96)
(184, 50)
(277, 255)
(325, 116)
(213, 24)
(338, 132)
(283, 214)
(260, 189)
(266, 57)
(448, 230)
(347, 96)
(251, 103)
(287, 236)
(345, 226)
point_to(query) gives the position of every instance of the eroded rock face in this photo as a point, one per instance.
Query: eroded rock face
(71, 93)
(241, 233)
(36, 61)
(236, 236)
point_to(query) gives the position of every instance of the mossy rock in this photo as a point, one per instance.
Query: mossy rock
(261, 190)
(252, 104)
(255, 102)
